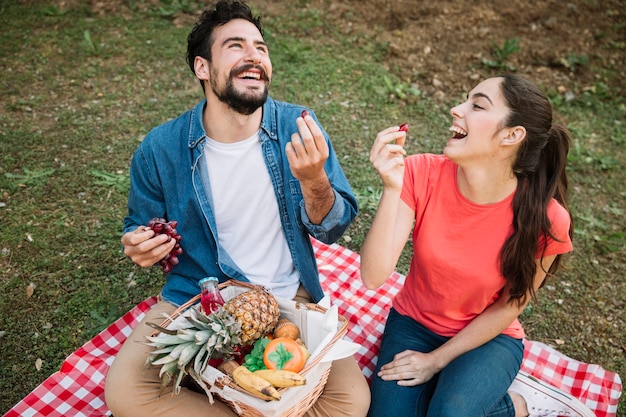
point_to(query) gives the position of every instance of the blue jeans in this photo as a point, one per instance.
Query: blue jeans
(475, 384)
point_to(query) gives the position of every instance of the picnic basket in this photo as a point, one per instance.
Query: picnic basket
(295, 401)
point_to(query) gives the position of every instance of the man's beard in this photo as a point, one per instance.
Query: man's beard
(242, 103)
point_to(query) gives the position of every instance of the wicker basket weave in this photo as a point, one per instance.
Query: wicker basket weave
(243, 408)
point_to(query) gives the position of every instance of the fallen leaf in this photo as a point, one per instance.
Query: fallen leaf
(30, 290)
(38, 364)
(559, 341)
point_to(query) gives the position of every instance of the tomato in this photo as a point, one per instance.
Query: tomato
(284, 353)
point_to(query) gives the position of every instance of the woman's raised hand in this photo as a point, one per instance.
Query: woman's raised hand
(387, 155)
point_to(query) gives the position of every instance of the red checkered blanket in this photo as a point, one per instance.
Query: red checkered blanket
(77, 389)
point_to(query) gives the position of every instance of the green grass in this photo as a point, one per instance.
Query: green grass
(80, 91)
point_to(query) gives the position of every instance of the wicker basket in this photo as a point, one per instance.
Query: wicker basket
(316, 372)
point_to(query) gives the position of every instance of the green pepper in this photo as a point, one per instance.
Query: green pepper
(254, 360)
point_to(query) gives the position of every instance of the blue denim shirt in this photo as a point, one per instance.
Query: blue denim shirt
(169, 179)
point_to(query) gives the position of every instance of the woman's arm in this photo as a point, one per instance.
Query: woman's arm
(394, 219)
(414, 368)
(385, 240)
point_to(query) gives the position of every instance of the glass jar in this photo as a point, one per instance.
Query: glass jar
(210, 297)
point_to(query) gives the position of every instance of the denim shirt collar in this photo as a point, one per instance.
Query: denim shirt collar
(269, 124)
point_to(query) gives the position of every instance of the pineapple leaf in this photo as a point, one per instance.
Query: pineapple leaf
(161, 329)
(212, 341)
(169, 368)
(188, 353)
(173, 356)
(198, 378)
(165, 340)
(179, 379)
(201, 359)
(166, 379)
(164, 350)
(187, 335)
(202, 336)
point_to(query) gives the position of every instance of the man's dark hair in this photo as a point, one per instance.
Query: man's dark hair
(200, 40)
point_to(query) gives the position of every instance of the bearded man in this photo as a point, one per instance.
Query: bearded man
(249, 180)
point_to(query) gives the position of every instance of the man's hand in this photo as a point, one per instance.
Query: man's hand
(144, 248)
(307, 153)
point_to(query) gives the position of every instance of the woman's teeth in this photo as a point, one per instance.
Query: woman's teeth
(458, 132)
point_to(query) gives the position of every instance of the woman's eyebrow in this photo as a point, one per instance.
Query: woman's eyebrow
(478, 95)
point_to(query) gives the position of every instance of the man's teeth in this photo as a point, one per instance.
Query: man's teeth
(458, 132)
(254, 75)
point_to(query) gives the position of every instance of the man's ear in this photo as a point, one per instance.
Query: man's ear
(201, 68)
(514, 135)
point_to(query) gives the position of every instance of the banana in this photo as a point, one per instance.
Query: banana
(281, 378)
(304, 349)
(227, 367)
(255, 385)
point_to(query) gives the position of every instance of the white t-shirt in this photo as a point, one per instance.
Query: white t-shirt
(247, 216)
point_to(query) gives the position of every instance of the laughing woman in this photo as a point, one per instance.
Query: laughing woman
(490, 222)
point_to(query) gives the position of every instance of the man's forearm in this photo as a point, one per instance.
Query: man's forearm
(318, 199)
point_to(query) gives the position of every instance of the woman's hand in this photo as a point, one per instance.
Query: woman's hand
(387, 156)
(409, 368)
(144, 248)
(394, 219)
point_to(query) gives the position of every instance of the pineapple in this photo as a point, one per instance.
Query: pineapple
(257, 312)
(187, 350)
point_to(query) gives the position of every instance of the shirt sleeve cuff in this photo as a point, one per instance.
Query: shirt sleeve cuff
(332, 219)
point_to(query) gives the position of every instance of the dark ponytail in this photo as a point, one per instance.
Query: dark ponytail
(540, 171)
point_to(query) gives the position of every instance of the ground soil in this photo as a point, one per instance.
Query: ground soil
(439, 46)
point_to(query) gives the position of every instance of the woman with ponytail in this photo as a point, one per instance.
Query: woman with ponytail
(489, 222)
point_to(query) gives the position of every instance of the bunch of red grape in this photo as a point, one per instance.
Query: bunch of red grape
(162, 226)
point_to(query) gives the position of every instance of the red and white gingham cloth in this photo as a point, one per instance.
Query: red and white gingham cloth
(366, 310)
(77, 389)
(599, 389)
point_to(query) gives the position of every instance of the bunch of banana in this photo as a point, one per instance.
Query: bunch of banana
(254, 384)
(262, 383)
(281, 378)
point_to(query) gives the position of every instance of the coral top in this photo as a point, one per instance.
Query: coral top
(455, 270)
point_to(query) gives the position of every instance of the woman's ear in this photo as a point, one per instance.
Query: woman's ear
(514, 135)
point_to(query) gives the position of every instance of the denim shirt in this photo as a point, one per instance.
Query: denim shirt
(169, 179)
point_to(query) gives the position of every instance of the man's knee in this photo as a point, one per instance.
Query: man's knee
(346, 393)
